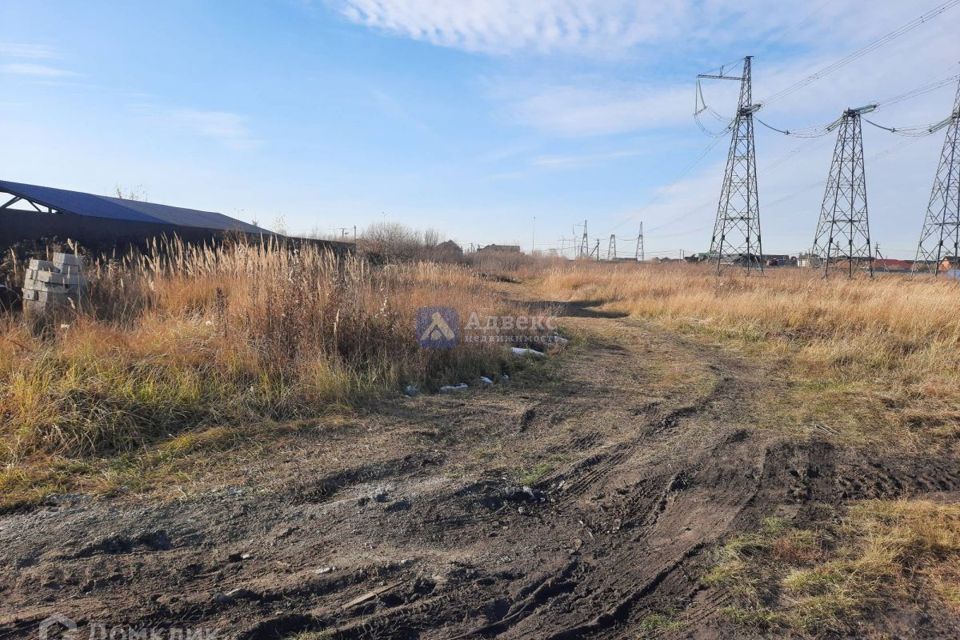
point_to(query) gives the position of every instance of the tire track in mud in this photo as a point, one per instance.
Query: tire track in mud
(495, 597)
(598, 470)
(651, 475)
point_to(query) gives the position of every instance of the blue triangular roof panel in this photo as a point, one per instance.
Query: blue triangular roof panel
(90, 205)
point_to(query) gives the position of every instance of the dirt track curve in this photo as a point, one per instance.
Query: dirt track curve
(409, 522)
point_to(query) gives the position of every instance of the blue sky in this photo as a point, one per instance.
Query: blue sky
(471, 117)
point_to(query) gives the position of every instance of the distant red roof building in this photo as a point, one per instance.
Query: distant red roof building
(889, 264)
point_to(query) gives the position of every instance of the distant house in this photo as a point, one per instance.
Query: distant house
(809, 260)
(448, 251)
(778, 260)
(499, 248)
(891, 264)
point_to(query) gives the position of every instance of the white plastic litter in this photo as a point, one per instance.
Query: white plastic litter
(486, 380)
(450, 388)
(523, 351)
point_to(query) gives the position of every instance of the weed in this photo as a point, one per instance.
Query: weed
(173, 345)
(883, 555)
(663, 621)
(532, 476)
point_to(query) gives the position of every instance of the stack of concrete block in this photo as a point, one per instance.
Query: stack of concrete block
(48, 285)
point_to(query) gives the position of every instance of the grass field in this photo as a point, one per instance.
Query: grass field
(866, 363)
(187, 340)
(785, 442)
(875, 360)
(879, 555)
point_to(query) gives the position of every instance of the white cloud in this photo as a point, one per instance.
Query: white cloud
(27, 50)
(232, 130)
(599, 105)
(25, 57)
(615, 67)
(581, 26)
(509, 26)
(581, 110)
(582, 160)
(34, 70)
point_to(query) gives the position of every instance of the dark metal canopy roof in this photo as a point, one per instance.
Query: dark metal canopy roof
(94, 206)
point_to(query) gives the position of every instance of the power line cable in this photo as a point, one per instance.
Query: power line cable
(921, 130)
(784, 198)
(919, 91)
(660, 194)
(859, 53)
(767, 168)
(805, 132)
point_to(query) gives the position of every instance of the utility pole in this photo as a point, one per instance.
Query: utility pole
(878, 256)
(596, 250)
(736, 232)
(533, 237)
(639, 255)
(612, 247)
(941, 228)
(843, 232)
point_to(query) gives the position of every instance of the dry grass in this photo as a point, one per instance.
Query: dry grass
(865, 356)
(190, 338)
(884, 556)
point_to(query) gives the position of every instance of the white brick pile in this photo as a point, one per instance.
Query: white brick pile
(48, 285)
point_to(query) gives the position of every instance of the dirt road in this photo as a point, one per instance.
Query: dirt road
(412, 521)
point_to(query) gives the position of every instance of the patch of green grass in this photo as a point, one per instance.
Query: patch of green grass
(24, 487)
(161, 468)
(532, 476)
(665, 621)
(313, 635)
(881, 556)
(753, 617)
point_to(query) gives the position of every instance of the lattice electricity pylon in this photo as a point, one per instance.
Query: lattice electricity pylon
(941, 228)
(639, 255)
(612, 247)
(843, 232)
(736, 233)
(584, 243)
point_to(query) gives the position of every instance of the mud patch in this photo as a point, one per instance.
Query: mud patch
(119, 544)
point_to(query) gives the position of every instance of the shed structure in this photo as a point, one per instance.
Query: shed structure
(33, 213)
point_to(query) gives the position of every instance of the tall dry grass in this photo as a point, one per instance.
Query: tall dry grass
(183, 336)
(862, 350)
